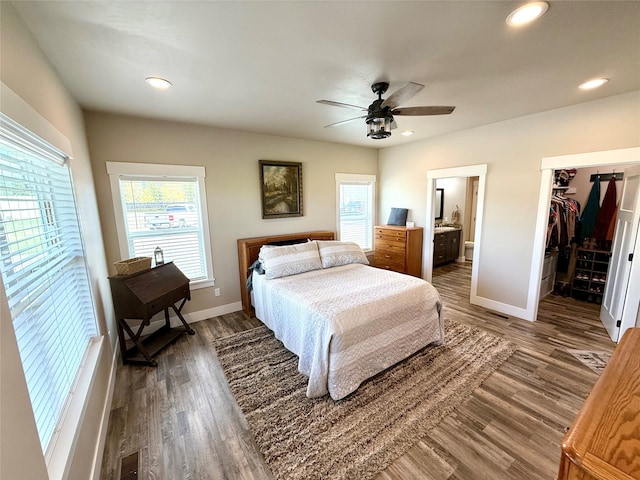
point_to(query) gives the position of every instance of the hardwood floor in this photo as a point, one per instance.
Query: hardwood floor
(185, 424)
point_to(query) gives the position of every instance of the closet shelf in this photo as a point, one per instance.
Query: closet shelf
(591, 275)
(566, 190)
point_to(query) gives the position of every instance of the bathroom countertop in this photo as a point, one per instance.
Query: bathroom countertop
(447, 228)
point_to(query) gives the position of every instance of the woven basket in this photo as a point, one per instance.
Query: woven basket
(133, 265)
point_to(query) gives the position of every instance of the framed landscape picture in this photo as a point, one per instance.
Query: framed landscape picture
(281, 189)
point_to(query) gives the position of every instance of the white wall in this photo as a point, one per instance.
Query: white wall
(512, 150)
(33, 95)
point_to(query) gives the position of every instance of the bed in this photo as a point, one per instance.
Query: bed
(345, 320)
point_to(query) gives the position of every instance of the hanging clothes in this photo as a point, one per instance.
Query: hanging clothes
(561, 228)
(590, 213)
(607, 209)
(612, 228)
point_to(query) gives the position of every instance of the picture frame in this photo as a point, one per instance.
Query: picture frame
(280, 189)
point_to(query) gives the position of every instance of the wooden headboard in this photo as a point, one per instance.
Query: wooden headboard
(248, 249)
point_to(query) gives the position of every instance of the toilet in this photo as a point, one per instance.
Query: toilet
(468, 251)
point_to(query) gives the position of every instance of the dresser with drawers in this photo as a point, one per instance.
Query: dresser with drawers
(399, 249)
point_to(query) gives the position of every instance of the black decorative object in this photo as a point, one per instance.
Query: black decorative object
(159, 256)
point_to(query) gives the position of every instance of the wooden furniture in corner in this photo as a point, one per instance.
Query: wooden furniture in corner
(603, 442)
(398, 248)
(137, 298)
(248, 249)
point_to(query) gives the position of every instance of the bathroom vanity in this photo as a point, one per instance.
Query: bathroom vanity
(446, 245)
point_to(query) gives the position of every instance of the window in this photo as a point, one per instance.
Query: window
(163, 206)
(356, 200)
(43, 272)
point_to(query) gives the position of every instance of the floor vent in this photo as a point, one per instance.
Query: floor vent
(497, 315)
(129, 467)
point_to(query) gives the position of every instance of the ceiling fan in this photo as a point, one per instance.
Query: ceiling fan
(379, 117)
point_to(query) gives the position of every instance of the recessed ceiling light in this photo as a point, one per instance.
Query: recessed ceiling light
(407, 133)
(594, 83)
(159, 83)
(527, 13)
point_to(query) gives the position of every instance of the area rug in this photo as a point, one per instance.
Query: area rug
(595, 360)
(360, 435)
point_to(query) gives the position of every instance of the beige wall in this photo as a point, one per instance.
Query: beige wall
(512, 150)
(33, 95)
(232, 183)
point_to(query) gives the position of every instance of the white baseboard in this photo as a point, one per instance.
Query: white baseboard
(499, 307)
(200, 315)
(106, 412)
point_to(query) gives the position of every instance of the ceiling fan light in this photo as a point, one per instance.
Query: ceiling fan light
(527, 13)
(379, 127)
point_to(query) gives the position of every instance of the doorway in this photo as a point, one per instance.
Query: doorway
(478, 171)
(628, 156)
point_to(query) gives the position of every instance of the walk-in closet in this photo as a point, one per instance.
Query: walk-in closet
(580, 232)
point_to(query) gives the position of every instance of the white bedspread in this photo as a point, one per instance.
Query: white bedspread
(348, 323)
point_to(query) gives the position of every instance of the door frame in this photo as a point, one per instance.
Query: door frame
(479, 171)
(547, 166)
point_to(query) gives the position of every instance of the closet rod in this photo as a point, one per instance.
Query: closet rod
(604, 177)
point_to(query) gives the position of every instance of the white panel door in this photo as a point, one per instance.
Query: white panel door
(616, 293)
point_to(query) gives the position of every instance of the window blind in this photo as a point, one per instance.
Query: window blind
(356, 213)
(165, 212)
(44, 272)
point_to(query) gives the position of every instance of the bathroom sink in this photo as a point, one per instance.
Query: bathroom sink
(444, 229)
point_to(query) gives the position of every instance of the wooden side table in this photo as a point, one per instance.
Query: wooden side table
(137, 298)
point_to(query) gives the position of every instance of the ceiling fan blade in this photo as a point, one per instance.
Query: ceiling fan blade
(343, 105)
(344, 121)
(402, 95)
(433, 110)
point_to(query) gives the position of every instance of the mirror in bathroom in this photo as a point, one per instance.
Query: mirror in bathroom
(439, 203)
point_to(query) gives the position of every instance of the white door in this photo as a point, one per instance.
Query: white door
(619, 292)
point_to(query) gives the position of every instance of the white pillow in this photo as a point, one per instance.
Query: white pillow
(289, 259)
(334, 253)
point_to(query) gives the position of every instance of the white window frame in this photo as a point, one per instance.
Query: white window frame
(159, 171)
(356, 178)
(57, 453)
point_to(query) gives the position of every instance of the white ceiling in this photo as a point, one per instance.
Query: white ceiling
(260, 66)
